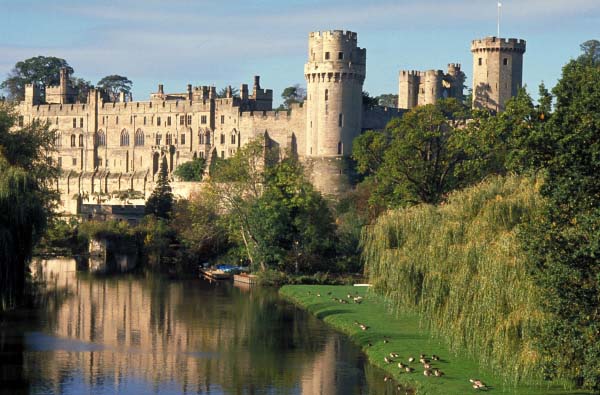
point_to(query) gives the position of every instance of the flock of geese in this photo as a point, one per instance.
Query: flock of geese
(427, 362)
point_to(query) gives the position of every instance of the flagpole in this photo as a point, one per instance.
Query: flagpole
(499, 7)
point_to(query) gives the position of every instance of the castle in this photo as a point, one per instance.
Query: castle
(106, 147)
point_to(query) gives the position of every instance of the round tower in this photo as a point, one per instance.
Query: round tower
(497, 71)
(334, 74)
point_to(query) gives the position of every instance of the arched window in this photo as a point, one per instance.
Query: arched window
(207, 137)
(124, 138)
(81, 140)
(201, 137)
(139, 138)
(100, 138)
(158, 138)
(169, 139)
(232, 138)
(73, 137)
(57, 139)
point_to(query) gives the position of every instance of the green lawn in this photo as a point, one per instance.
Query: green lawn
(406, 339)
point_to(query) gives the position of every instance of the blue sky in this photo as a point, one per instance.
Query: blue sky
(202, 42)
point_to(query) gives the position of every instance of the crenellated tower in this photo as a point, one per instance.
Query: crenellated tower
(334, 74)
(497, 71)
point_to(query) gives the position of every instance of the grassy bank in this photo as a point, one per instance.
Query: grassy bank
(405, 338)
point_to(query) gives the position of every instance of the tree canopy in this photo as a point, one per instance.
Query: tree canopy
(160, 202)
(293, 94)
(41, 70)
(191, 171)
(115, 84)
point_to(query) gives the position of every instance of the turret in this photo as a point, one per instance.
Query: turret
(497, 71)
(334, 73)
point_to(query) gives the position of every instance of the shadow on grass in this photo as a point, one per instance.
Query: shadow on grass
(327, 313)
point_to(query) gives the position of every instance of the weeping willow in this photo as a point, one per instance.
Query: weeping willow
(25, 199)
(460, 267)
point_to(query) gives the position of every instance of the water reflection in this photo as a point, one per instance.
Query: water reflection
(128, 334)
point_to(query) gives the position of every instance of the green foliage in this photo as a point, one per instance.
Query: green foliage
(160, 202)
(115, 84)
(25, 199)
(564, 242)
(293, 94)
(368, 101)
(459, 266)
(62, 238)
(387, 100)
(191, 171)
(41, 70)
(82, 87)
(222, 93)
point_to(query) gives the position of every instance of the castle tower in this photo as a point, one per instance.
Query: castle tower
(456, 80)
(497, 71)
(408, 89)
(334, 73)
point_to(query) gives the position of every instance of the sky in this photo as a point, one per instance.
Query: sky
(227, 42)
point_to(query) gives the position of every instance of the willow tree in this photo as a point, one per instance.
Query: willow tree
(26, 199)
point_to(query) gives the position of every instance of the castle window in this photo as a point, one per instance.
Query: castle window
(326, 94)
(144, 121)
(341, 120)
(202, 154)
(182, 141)
(480, 61)
(169, 139)
(81, 140)
(100, 138)
(203, 119)
(326, 55)
(189, 119)
(117, 120)
(57, 139)
(103, 120)
(506, 61)
(124, 138)
(182, 120)
(168, 121)
(139, 138)
(80, 122)
(233, 139)
(158, 121)
(74, 161)
(73, 140)
(74, 123)
(200, 138)
(57, 120)
(340, 55)
(158, 138)
(207, 137)
(222, 118)
(222, 138)
(340, 148)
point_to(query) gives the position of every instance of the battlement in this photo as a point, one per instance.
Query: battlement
(333, 35)
(405, 74)
(498, 44)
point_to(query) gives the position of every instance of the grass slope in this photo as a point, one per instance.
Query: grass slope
(406, 339)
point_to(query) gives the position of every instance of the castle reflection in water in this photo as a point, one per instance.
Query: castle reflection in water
(150, 335)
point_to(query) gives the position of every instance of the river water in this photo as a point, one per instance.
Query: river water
(137, 334)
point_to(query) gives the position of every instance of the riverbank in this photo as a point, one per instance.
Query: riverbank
(405, 338)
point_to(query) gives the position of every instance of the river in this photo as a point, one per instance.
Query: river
(146, 334)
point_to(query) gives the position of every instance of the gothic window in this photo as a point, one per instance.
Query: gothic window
(200, 137)
(169, 139)
(157, 121)
(158, 138)
(182, 120)
(139, 138)
(203, 119)
(57, 139)
(233, 139)
(207, 137)
(168, 121)
(81, 140)
(182, 141)
(124, 138)
(189, 119)
(80, 122)
(74, 123)
(222, 118)
(73, 137)
(222, 138)
(100, 138)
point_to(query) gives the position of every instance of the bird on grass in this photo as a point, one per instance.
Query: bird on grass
(423, 360)
(394, 355)
(426, 366)
(435, 357)
(427, 372)
(402, 366)
(411, 359)
(387, 360)
(478, 384)
(438, 373)
(408, 369)
(319, 295)
(363, 327)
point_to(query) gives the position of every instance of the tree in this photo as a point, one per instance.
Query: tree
(26, 199)
(223, 92)
(41, 70)
(191, 171)
(115, 84)
(564, 242)
(387, 100)
(82, 87)
(591, 52)
(160, 202)
(368, 101)
(293, 94)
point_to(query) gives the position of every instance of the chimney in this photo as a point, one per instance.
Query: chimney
(122, 97)
(160, 89)
(256, 83)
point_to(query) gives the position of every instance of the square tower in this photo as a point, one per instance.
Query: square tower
(497, 71)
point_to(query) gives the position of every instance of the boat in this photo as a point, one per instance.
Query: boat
(245, 278)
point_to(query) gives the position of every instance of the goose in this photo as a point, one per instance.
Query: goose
(401, 365)
(319, 295)
(409, 369)
(477, 384)
(363, 327)
(387, 360)
(393, 355)
(427, 366)
(435, 357)
(411, 359)
(427, 372)
(423, 360)
(438, 373)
